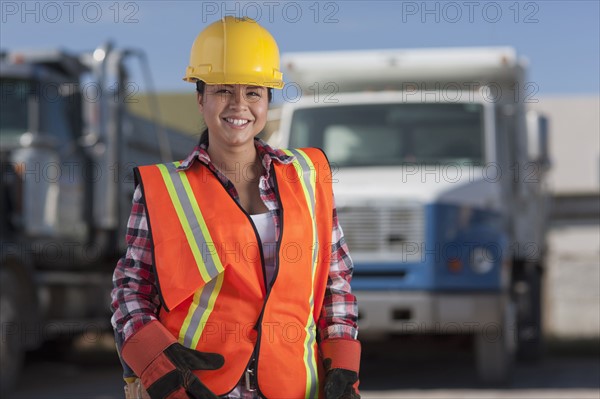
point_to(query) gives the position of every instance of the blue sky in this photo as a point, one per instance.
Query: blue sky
(561, 39)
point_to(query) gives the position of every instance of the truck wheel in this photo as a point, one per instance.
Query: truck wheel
(495, 350)
(528, 293)
(11, 351)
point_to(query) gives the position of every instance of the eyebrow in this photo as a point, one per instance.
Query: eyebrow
(247, 87)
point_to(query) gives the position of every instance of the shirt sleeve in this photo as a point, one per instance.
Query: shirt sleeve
(340, 312)
(135, 300)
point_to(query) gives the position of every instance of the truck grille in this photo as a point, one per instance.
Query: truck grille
(384, 233)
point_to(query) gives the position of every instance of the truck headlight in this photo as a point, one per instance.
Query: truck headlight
(482, 260)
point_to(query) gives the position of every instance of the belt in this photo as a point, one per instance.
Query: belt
(250, 376)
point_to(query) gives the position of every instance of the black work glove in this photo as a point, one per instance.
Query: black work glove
(181, 379)
(165, 366)
(339, 383)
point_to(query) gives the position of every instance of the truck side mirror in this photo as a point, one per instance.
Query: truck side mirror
(537, 139)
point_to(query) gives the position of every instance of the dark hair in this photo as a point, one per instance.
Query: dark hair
(204, 137)
(201, 85)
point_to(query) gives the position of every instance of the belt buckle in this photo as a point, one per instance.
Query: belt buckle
(248, 375)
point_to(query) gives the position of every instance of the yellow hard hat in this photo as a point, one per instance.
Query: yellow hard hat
(235, 51)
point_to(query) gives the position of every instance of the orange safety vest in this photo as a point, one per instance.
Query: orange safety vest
(208, 263)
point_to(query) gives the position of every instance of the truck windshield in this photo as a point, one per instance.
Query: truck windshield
(14, 110)
(392, 134)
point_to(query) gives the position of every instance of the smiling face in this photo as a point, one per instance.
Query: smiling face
(233, 114)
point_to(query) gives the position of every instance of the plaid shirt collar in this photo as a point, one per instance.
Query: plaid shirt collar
(265, 151)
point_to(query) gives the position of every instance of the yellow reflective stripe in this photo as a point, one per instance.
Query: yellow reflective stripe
(310, 360)
(309, 343)
(301, 173)
(183, 331)
(209, 309)
(201, 223)
(183, 220)
(303, 166)
(196, 243)
(179, 189)
(202, 307)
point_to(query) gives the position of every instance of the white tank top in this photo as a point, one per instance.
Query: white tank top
(265, 225)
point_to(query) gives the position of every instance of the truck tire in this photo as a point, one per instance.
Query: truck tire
(11, 350)
(495, 350)
(528, 294)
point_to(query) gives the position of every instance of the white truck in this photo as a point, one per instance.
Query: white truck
(439, 180)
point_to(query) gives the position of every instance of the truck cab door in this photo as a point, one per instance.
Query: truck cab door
(52, 169)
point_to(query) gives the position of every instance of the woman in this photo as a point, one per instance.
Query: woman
(236, 278)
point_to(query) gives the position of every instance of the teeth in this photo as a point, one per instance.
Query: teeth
(237, 122)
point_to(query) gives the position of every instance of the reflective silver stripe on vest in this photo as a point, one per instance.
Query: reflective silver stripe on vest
(192, 222)
(199, 312)
(308, 181)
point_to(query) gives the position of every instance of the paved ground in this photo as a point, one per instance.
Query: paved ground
(419, 369)
(425, 369)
